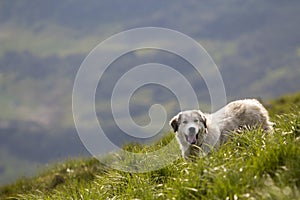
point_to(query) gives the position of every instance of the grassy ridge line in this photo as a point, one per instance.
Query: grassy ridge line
(252, 165)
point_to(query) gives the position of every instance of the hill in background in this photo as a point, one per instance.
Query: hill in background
(42, 44)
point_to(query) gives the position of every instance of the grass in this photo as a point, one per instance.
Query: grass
(252, 165)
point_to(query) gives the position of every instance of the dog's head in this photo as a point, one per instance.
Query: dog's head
(192, 124)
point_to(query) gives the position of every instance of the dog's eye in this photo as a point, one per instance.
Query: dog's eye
(196, 120)
(184, 122)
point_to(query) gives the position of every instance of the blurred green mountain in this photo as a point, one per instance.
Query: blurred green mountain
(42, 44)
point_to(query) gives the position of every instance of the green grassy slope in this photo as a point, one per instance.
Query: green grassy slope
(251, 165)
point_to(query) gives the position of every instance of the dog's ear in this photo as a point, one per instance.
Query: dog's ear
(175, 121)
(205, 124)
(203, 119)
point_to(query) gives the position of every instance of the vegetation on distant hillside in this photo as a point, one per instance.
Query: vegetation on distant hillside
(251, 165)
(284, 104)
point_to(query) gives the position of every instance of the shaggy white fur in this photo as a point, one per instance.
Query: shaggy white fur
(197, 132)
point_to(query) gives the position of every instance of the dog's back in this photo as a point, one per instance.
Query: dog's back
(235, 116)
(241, 114)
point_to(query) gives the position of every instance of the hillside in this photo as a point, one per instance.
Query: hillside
(251, 165)
(42, 45)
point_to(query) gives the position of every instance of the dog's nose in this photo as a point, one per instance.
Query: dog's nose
(192, 130)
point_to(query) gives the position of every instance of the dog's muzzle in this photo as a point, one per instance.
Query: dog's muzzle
(192, 136)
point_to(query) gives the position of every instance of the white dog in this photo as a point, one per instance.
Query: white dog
(197, 133)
